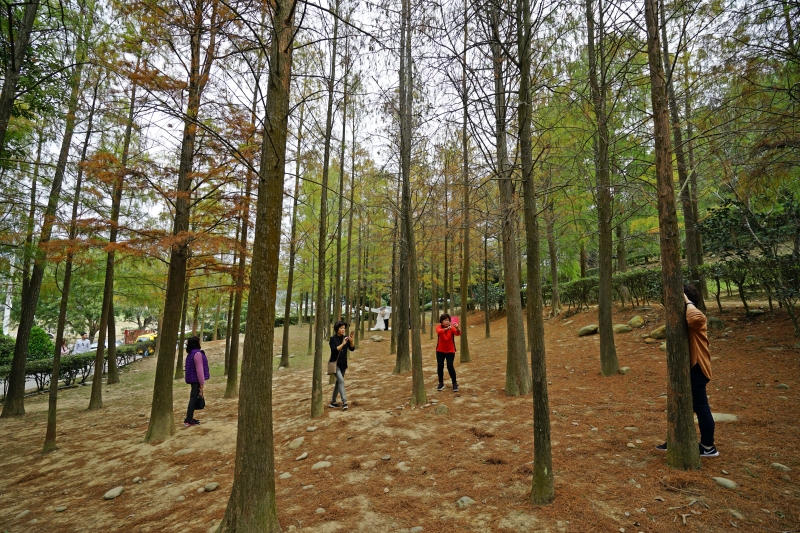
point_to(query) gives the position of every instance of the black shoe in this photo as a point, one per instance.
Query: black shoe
(333, 405)
(440, 387)
(455, 388)
(192, 422)
(344, 407)
(708, 452)
(662, 447)
(196, 421)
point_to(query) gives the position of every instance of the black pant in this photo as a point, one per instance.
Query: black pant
(701, 407)
(192, 398)
(440, 358)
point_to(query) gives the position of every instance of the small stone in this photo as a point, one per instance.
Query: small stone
(180, 498)
(376, 338)
(724, 417)
(385, 490)
(23, 514)
(311, 429)
(638, 441)
(786, 477)
(464, 502)
(650, 340)
(515, 449)
(296, 443)
(114, 493)
(736, 514)
(308, 487)
(782, 468)
(320, 510)
(211, 487)
(301, 456)
(416, 529)
(591, 329)
(61, 508)
(441, 409)
(201, 490)
(141, 415)
(636, 322)
(756, 312)
(285, 475)
(386, 457)
(725, 482)
(663, 346)
(137, 480)
(320, 464)
(782, 386)
(659, 333)
(715, 323)
(185, 451)
(631, 445)
(622, 328)
(624, 370)
(291, 527)
(631, 428)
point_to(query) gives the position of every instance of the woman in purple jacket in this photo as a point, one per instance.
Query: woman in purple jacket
(196, 375)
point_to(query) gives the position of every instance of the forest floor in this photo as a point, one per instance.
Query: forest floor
(393, 467)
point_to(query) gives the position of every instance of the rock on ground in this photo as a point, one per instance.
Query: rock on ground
(636, 322)
(296, 443)
(659, 333)
(464, 502)
(725, 482)
(114, 493)
(622, 328)
(588, 330)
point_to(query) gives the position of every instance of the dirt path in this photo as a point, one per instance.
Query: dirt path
(393, 467)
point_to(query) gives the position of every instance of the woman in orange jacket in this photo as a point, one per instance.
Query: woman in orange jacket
(446, 350)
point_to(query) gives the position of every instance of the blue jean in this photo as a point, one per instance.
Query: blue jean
(339, 387)
(701, 407)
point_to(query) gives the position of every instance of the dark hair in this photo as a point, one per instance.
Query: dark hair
(337, 325)
(444, 315)
(691, 293)
(192, 343)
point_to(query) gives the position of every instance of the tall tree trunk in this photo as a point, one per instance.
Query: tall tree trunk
(396, 237)
(555, 300)
(337, 298)
(359, 291)
(348, 303)
(19, 43)
(50, 435)
(518, 377)
(179, 370)
(215, 329)
(583, 258)
(682, 447)
(14, 403)
(609, 364)
(465, 358)
(488, 332)
(252, 507)
(542, 488)
(229, 325)
(680, 160)
(321, 318)
(313, 312)
(28, 250)
(162, 423)
(292, 246)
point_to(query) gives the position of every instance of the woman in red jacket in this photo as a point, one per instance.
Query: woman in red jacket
(446, 350)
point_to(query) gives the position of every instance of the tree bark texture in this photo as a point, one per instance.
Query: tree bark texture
(682, 447)
(252, 507)
(464, 342)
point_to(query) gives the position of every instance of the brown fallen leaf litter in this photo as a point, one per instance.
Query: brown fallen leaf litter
(393, 467)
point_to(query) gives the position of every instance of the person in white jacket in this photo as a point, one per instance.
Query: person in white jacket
(82, 345)
(382, 323)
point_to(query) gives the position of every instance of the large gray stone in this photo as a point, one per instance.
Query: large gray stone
(211, 487)
(464, 502)
(285, 475)
(376, 338)
(301, 456)
(587, 330)
(622, 328)
(782, 468)
(185, 451)
(61, 508)
(715, 323)
(625, 370)
(659, 333)
(725, 482)
(23, 514)
(636, 322)
(320, 464)
(416, 529)
(441, 409)
(114, 493)
(296, 443)
(782, 386)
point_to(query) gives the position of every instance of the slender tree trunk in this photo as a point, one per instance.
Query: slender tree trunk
(14, 403)
(179, 370)
(50, 435)
(518, 377)
(609, 364)
(465, 358)
(583, 258)
(229, 326)
(215, 329)
(313, 313)
(359, 290)
(337, 298)
(680, 160)
(19, 42)
(396, 237)
(292, 247)
(542, 488)
(321, 318)
(252, 506)
(162, 423)
(555, 300)
(29, 250)
(682, 447)
(486, 285)
(347, 281)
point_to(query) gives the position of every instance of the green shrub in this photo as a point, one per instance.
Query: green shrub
(6, 350)
(39, 345)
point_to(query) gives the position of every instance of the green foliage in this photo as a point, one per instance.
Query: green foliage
(40, 346)
(496, 296)
(6, 350)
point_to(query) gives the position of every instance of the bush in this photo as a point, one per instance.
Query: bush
(279, 321)
(6, 350)
(39, 345)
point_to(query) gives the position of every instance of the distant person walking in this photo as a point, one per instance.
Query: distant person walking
(82, 345)
(196, 375)
(64, 347)
(446, 350)
(700, 372)
(340, 345)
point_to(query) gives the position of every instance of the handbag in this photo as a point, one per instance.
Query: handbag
(199, 403)
(332, 367)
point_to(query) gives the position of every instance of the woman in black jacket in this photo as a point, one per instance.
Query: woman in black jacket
(340, 345)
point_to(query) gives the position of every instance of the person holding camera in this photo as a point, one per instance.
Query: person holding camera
(340, 344)
(446, 350)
